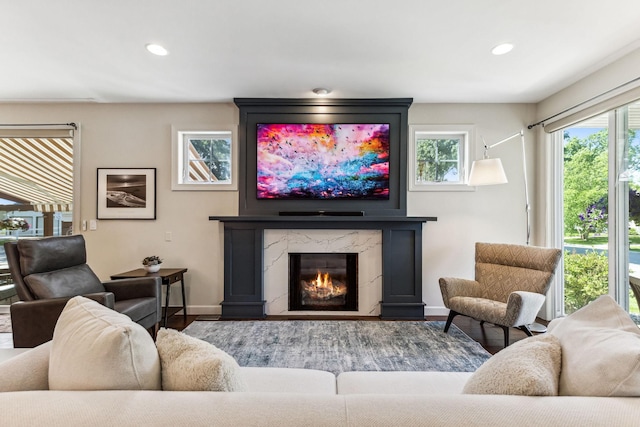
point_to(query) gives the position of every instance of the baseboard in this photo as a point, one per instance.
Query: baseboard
(198, 310)
(436, 311)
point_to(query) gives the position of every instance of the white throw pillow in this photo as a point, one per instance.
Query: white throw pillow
(600, 351)
(192, 364)
(96, 348)
(530, 367)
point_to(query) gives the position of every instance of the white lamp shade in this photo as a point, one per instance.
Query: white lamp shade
(487, 172)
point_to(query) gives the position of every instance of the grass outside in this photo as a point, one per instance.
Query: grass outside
(634, 241)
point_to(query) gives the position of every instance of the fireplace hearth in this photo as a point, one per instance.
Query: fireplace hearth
(323, 281)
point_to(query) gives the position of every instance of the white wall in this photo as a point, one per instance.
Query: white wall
(139, 135)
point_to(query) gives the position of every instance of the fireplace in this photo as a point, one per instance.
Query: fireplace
(323, 281)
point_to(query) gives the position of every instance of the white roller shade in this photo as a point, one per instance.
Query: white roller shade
(614, 100)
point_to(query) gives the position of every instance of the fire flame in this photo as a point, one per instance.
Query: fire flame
(323, 288)
(323, 281)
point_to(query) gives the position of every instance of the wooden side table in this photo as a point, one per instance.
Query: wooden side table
(169, 276)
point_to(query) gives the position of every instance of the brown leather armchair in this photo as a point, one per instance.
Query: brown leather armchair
(509, 288)
(47, 272)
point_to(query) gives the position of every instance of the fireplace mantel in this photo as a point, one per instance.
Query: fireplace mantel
(401, 260)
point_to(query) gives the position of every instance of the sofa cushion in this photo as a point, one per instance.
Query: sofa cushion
(288, 380)
(600, 351)
(530, 367)
(402, 382)
(192, 364)
(67, 282)
(24, 369)
(96, 348)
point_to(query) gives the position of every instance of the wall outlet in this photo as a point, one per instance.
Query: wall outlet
(167, 236)
(84, 225)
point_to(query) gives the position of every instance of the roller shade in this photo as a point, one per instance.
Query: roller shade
(612, 102)
(37, 172)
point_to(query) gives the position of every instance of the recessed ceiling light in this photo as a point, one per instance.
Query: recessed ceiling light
(156, 49)
(320, 91)
(501, 49)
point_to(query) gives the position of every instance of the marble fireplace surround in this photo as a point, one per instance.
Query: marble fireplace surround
(279, 243)
(244, 261)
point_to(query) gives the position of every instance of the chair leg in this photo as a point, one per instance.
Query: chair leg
(526, 330)
(506, 335)
(452, 314)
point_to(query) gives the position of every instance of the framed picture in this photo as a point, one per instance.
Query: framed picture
(127, 193)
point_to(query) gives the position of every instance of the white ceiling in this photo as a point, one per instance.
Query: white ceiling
(430, 50)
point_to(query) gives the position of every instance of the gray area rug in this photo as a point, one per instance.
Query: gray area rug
(344, 345)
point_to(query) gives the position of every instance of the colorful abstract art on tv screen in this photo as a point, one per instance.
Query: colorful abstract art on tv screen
(323, 161)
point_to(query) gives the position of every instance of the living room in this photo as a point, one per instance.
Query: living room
(132, 135)
(133, 123)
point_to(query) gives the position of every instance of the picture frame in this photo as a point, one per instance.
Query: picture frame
(126, 193)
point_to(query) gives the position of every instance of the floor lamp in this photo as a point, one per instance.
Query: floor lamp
(489, 171)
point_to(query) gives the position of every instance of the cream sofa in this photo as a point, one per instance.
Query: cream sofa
(299, 397)
(296, 397)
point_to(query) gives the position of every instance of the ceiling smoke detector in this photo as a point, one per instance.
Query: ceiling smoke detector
(320, 91)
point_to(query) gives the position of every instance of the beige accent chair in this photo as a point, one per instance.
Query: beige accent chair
(509, 288)
(634, 284)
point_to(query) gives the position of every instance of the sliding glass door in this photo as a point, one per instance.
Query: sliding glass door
(601, 208)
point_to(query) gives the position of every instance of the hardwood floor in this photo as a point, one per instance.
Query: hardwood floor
(491, 337)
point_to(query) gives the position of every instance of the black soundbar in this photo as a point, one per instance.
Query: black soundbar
(321, 213)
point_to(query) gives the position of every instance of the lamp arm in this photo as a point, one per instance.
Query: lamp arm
(521, 134)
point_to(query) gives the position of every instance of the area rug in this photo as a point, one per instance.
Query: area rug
(5, 323)
(343, 345)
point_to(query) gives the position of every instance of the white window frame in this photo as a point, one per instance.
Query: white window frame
(465, 156)
(180, 158)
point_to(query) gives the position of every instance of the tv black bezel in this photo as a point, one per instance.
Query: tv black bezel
(300, 160)
(365, 111)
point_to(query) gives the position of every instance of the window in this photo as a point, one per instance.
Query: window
(439, 157)
(38, 184)
(597, 190)
(203, 160)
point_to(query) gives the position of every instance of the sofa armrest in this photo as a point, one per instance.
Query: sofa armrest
(523, 307)
(143, 287)
(33, 322)
(454, 287)
(26, 371)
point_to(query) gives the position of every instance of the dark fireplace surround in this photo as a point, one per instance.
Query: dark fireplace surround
(401, 235)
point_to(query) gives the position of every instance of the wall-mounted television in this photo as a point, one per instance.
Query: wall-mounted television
(330, 156)
(322, 161)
